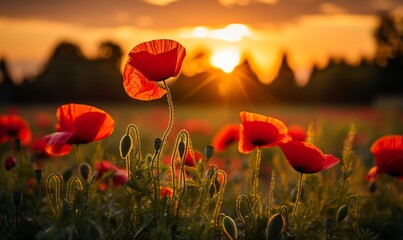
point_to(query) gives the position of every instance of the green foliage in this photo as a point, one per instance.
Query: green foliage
(334, 204)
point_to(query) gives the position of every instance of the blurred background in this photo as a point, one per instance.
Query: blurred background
(238, 51)
(328, 63)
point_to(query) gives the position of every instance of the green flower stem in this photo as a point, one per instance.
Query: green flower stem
(220, 197)
(164, 136)
(38, 203)
(241, 217)
(171, 115)
(156, 192)
(182, 178)
(78, 156)
(357, 213)
(55, 196)
(17, 221)
(256, 180)
(298, 195)
(271, 193)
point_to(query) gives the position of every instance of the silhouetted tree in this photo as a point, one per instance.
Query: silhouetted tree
(8, 89)
(284, 87)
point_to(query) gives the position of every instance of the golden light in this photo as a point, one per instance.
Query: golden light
(232, 32)
(225, 59)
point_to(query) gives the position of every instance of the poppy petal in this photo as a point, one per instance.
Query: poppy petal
(226, 136)
(88, 123)
(307, 158)
(260, 131)
(160, 55)
(138, 87)
(14, 126)
(388, 153)
(57, 143)
(155, 67)
(372, 174)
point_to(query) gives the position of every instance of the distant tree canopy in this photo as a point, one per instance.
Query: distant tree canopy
(389, 38)
(70, 76)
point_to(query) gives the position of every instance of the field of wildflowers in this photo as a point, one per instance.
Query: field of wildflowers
(105, 174)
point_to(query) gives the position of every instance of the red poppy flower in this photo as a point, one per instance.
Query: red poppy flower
(189, 160)
(85, 122)
(260, 131)
(225, 137)
(297, 132)
(10, 163)
(13, 126)
(307, 158)
(166, 192)
(388, 153)
(118, 177)
(104, 166)
(150, 62)
(79, 124)
(192, 160)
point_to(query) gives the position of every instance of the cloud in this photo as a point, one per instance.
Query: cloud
(329, 8)
(160, 2)
(245, 2)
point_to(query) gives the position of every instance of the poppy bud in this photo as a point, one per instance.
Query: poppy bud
(208, 152)
(212, 190)
(372, 187)
(157, 144)
(38, 175)
(181, 149)
(275, 227)
(16, 198)
(67, 174)
(229, 227)
(210, 172)
(329, 223)
(85, 170)
(125, 145)
(10, 163)
(342, 213)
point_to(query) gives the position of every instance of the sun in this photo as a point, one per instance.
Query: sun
(225, 59)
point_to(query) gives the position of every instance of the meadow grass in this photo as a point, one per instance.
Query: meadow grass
(335, 204)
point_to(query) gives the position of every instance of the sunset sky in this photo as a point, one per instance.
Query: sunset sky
(310, 31)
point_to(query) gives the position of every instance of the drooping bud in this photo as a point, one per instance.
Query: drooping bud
(38, 175)
(67, 174)
(211, 171)
(17, 198)
(229, 227)
(157, 144)
(85, 170)
(329, 224)
(125, 145)
(10, 163)
(372, 187)
(208, 152)
(342, 213)
(212, 190)
(181, 149)
(275, 227)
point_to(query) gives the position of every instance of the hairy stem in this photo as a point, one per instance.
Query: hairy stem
(298, 195)
(256, 181)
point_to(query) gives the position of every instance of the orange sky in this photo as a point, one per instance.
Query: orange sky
(28, 37)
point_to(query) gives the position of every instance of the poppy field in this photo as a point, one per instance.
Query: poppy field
(149, 171)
